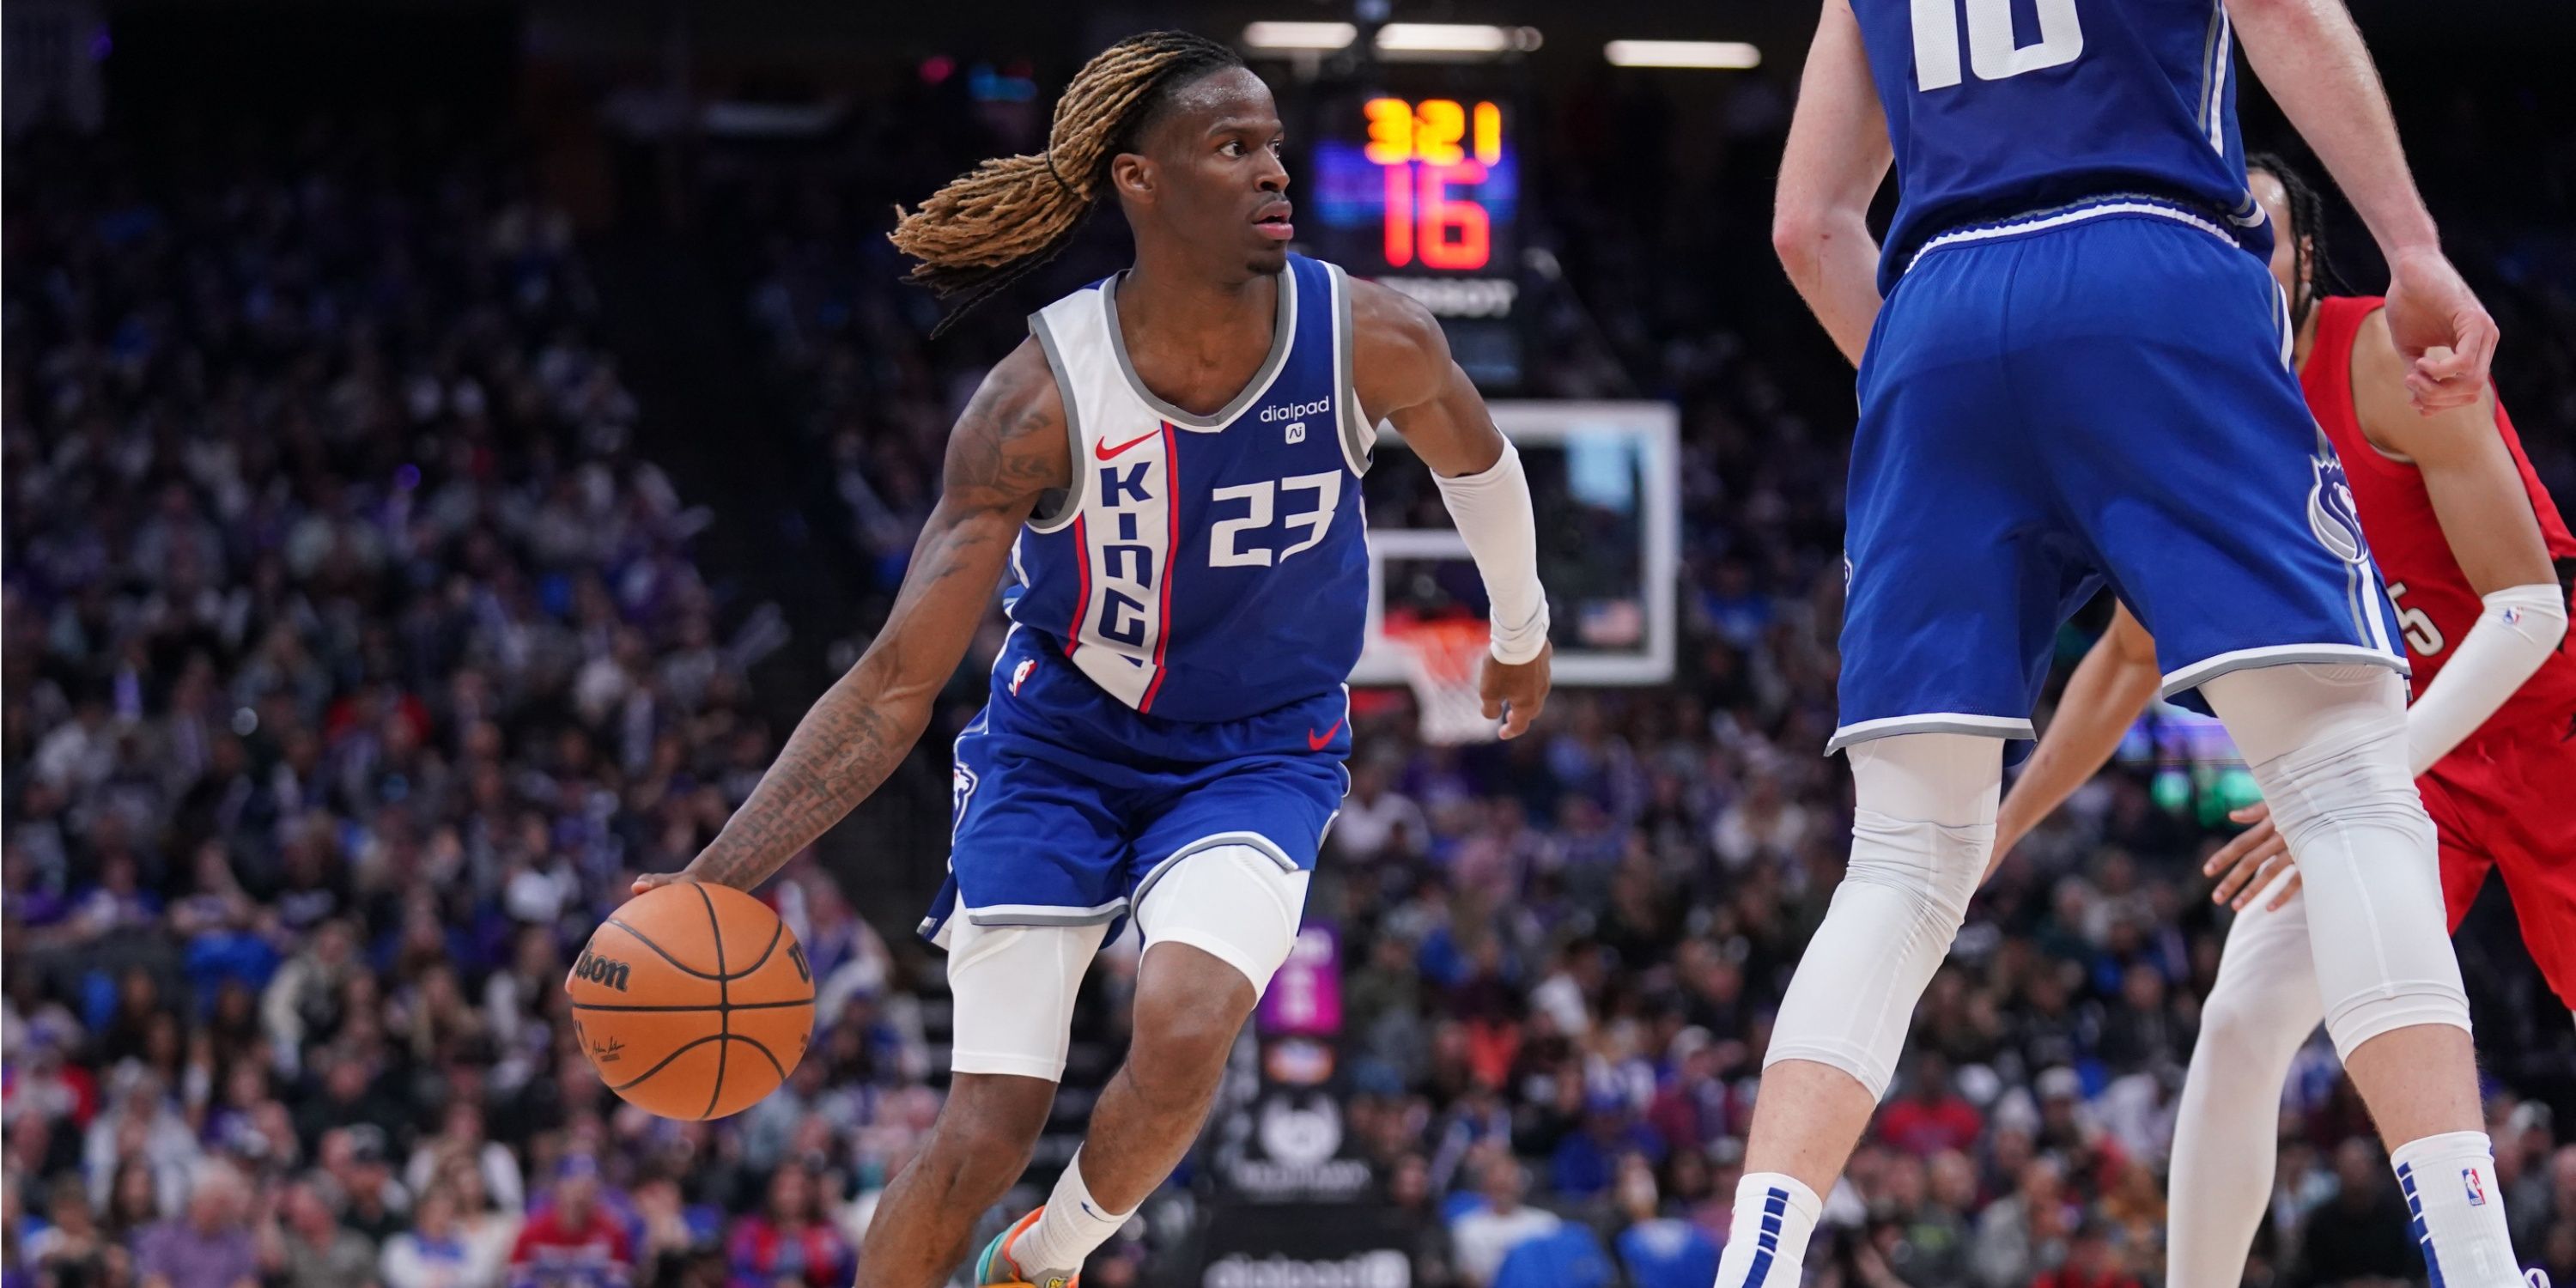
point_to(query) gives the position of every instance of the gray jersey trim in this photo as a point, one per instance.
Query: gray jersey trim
(1283, 336)
(1066, 505)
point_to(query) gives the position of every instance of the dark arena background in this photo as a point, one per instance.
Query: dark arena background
(448, 445)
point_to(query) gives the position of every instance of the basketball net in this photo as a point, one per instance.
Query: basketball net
(1443, 659)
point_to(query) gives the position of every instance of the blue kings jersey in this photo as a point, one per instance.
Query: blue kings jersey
(2000, 108)
(1204, 568)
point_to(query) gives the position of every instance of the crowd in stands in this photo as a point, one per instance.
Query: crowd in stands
(354, 658)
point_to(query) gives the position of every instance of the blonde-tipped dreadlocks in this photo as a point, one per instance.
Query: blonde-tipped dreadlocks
(1011, 214)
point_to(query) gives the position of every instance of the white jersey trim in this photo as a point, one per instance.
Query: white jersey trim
(2059, 219)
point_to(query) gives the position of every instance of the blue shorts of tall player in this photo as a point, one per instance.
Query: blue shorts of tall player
(2088, 395)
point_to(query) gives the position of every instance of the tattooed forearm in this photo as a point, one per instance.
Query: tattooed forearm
(1008, 448)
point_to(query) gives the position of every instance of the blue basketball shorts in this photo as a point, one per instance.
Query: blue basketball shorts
(1069, 805)
(2095, 395)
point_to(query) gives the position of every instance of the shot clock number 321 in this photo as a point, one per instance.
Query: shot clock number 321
(1428, 152)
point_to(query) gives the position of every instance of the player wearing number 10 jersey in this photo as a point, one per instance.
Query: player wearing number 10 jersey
(2074, 373)
(1168, 468)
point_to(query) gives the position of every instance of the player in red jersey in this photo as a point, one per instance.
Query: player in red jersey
(2476, 557)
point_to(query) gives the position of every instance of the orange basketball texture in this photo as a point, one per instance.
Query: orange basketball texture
(693, 1001)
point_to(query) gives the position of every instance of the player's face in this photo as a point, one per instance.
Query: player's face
(1215, 178)
(2285, 231)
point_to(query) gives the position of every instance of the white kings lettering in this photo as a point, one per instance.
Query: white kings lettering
(1130, 527)
(1292, 411)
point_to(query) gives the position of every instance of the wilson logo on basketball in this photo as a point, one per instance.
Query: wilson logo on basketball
(600, 970)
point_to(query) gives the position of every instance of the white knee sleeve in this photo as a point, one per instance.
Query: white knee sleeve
(1924, 825)
(2328, 746)
(1233, 902)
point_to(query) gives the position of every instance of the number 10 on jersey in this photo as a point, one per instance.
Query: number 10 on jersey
(1995, 51)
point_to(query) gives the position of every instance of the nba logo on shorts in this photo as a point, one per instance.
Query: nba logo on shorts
(2332, 516)
(2477, 1189)
(1020, 675)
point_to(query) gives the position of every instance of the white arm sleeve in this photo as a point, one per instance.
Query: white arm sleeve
(2518, 630)
(1493, 514)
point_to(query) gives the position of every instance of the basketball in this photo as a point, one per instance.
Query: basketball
(692, 1001)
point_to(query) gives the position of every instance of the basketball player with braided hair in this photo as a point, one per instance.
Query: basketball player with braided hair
(1169, 469)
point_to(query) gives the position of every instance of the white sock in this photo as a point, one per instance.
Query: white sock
(1069, 1228)
(1766, 1246)
(2458, 1210)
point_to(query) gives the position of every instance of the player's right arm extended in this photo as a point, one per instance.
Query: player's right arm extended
(2311, 58)
(1008, 449)
(1837, 157)
(2113, 683)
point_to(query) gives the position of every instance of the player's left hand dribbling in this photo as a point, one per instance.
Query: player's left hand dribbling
(1515, 694)
(2250, 860)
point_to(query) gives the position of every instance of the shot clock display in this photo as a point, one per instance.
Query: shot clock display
(1422, 192)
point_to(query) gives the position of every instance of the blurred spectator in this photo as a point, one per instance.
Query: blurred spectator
(1929, 1116)
(574, 1241)
(790, 1242)
(436, 1252)
(2362, 1232)
(71, 1251)
(314, 1249)
(1659, 1251)
(210, 1246)
(2024, 1233)
(2090, 1263)
(1486, 1233)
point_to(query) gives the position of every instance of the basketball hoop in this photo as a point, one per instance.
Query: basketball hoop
(1443, 659)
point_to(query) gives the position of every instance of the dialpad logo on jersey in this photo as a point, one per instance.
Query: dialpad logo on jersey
(1298, 411)
(2332, 515)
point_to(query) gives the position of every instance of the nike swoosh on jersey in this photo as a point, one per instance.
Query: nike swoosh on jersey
(1318, 741)
(1104, 451)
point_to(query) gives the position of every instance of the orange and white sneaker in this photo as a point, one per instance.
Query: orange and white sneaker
(996, 1266)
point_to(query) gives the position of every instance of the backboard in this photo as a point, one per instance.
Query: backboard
(1605, 478)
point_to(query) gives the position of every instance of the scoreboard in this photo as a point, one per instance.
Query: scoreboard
(1421, 192)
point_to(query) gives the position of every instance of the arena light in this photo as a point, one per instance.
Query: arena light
(1285, 37)
(1718, 55)
(1454, 38)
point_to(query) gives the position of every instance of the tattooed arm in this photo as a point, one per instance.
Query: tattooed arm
(1007, 450)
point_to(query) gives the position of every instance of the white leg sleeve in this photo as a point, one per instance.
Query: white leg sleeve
(1232, 902)
(2261, 1011)
(2327, 744)
(1014, 989)
(1924, 825)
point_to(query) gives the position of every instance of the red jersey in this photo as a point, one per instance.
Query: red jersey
(2434, 601)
